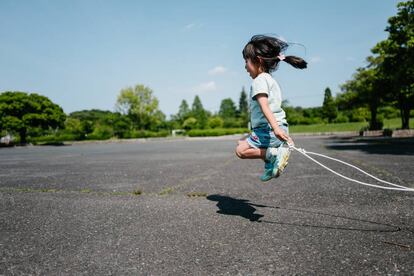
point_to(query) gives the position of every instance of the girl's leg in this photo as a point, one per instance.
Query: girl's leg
(245, 151)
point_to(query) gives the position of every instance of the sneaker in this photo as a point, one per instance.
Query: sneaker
(283, 153)
(270, 164)
(267, 175)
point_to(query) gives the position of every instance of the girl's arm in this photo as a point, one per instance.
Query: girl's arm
(264, 105)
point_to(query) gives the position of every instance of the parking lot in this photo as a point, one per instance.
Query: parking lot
(190, 206)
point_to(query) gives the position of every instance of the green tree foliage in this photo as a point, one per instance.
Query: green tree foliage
(227, 109)
(329, 110)
(243, 104)
(141, 106)
(190, 123)
(364, 90)
(109, 124)
(177, 120)
(243, 111)
(20, 111)
(396, 55)
(302, 116)
(199, 113)
(184, 111)
(215, 122)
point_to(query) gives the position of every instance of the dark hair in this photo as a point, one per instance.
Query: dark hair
(264, 51)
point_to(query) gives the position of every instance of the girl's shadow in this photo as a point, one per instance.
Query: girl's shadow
(242, 207)
(236, 207)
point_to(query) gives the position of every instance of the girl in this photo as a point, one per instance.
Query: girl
(262, 55)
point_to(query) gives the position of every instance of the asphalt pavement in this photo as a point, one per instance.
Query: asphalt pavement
(191, 207)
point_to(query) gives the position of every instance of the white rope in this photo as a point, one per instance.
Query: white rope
(399, 187)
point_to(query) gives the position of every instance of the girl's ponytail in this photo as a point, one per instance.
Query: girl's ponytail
(267, 51)
(296, 62)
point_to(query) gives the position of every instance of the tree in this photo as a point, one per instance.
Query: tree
(227, 109)
(243, 111)
(184, 111)
(199, 113)
(141, 106)
(396, 55)
(366, 89)
(243, 105)
(20, 111)
(329, 110)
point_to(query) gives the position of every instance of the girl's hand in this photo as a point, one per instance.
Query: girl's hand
(281, 134)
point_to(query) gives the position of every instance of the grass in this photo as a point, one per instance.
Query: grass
(197, 194)
(388, 123)
(396, 123)
(137, 192)
(327, 127)
(166, 191)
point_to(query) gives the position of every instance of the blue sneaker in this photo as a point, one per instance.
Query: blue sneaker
(283, 153)
(267, 175)
(270, 164)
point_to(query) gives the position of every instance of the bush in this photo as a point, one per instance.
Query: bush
(232, 123)
(341, 118)
(360, 114)
(101, 132)
(216, 132)
(215, 122)
(389, 112)
(50, 139)
(148, 134)
(190, 123)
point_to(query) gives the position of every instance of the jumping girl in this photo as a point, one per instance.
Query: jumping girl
(269, 135)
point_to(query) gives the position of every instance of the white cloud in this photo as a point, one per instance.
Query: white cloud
(218, 70)
(205, 87)
(315, 59)
(193, 26)
(189, 26)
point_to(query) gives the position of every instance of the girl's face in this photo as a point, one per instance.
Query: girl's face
(253, 69)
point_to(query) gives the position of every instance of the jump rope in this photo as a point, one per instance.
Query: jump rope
(307, 153)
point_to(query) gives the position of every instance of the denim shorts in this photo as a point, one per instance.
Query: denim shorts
(264, 137)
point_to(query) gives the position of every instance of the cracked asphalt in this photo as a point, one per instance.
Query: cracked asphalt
(70, 210)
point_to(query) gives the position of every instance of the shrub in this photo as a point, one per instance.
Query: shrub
(148, 134)
(231, 123)
(341, 118)
(360, 114)
(216, 132)
(101, 132)
(190, 123)
(389, 112)
(215, 122)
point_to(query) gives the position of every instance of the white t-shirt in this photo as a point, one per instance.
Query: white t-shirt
(265, 84)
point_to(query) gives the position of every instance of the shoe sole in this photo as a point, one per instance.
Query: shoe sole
(283, 164)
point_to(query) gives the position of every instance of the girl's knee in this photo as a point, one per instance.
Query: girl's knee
(239, 154)
(241, 148)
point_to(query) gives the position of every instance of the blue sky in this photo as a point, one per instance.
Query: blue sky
(81, 53)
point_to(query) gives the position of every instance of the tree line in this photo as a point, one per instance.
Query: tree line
(136, 115)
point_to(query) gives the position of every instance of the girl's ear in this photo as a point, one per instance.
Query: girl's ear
(260, 64)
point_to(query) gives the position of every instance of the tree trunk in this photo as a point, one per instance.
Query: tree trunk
(405, 117)
(374, 124)
(23, 136)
